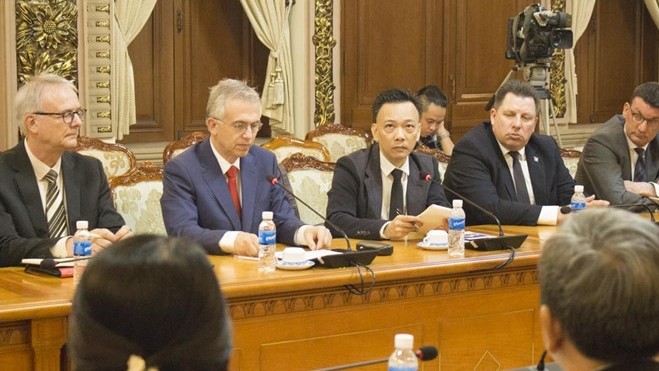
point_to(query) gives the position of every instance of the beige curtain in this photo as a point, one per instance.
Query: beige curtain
(129, 18)
(581, 11)
(653, 9)
(269, 18)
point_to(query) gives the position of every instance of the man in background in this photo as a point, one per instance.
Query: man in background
(599, 292)
(433, 132)
(215, 192)
(44, 187)
(378, 191)
(620, 161)
(507, 168)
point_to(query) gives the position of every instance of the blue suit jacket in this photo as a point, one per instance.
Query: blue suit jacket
(196, 202)
(355, 200)
(23, 224)
(478, 171)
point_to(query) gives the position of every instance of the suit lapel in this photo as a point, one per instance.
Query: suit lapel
(537, 174)
(72, 188)
(373, 183)
(29, 190)
(217, 184)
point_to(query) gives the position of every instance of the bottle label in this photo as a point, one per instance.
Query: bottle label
(577, 205)
(82, 248)
(267, 237)
(456, 223)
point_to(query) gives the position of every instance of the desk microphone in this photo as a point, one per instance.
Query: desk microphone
(500, 242)
(348, 257)
(50, 263)
(425, 353)
(567, 209)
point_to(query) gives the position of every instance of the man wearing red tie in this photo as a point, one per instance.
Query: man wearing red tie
(215, 192)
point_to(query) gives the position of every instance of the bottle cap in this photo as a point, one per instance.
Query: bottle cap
(403, 341)
(457, 203)
(266, 215)
(82, 224)
(578, 188)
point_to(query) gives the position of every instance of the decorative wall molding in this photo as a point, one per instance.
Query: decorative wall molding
(98, 67)
(557, 79)
(324, 43)
(389, 292)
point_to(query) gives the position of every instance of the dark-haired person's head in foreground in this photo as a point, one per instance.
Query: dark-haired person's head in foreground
(154, 299)
(599, 286)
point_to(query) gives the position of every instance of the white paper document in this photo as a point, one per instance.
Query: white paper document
(432, 217)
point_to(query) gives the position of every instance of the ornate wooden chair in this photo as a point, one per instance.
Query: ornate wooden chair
(136, 197)
(442, 158)
(117, 159)
(284, 146)
(339, 140)
(571, 159)
(310, 180)
(176, 147)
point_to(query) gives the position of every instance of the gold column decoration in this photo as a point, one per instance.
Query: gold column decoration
(324, 43)
(557, 77)
(46, 38)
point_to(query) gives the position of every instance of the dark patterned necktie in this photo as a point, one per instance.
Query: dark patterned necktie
(640, 171)
(55, 212)
(396, 200)
(518, 176)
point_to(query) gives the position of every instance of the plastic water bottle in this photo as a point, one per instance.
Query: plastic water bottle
(82, 247)
(456, 231)
(267, 243)
(578, 202)
(403, 358)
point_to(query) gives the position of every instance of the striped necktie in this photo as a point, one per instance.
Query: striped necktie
(640, 171)
(55, 212)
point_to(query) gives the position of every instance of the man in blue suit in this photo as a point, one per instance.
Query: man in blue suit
(505, 167)
(215, 192)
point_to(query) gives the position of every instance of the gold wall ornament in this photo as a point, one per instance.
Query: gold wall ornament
(557, 79)
(324, 43)
(46, 38)
(104, 115)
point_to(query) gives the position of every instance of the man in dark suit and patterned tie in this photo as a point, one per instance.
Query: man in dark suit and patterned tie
(215, 192)
(620, 161)
(45, 188)
(505, 167)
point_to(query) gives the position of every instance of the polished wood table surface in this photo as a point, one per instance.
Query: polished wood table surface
(480, 318)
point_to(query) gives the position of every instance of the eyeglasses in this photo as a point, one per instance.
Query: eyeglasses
(67, 116)
(241, 127)
(638, 119)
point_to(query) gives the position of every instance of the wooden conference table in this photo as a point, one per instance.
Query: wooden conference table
(479, 318)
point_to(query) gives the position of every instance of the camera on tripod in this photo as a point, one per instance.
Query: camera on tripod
(535, 32)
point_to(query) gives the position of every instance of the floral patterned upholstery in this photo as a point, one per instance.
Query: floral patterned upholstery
(310, 180)
(136, 197)
(284, 146)
(442, 158)
(339, 140)
(571, 160)
(116, 159)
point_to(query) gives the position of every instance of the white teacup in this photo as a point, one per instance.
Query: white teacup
(293, 255)
(436, 237)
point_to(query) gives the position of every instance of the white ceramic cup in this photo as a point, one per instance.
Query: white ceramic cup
(293, 255)
(436, 237)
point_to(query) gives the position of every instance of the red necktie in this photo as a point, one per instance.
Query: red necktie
(233, 189)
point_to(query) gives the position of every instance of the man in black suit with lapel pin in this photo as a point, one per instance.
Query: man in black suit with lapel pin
(507, 168)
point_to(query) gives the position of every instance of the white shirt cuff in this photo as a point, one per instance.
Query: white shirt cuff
(59, 250)
(382, 230)
(548, 215)
(228, 241)
(299, 235)
(656, 188)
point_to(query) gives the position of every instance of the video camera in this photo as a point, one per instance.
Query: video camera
(535, 32)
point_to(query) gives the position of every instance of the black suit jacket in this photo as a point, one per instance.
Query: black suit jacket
(355, 200)
(23, 224)
(478, 171)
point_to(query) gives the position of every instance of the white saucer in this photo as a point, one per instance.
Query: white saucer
(295, 266)
(433, 246)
